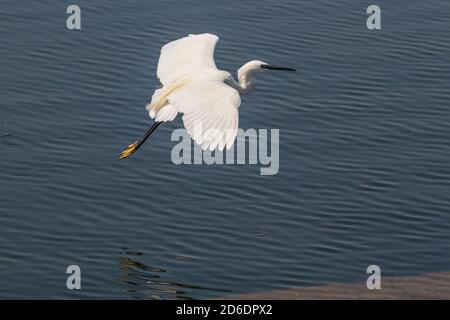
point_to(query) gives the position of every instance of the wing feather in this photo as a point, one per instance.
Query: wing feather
(186, 55)
(210, 112)
(209, 107)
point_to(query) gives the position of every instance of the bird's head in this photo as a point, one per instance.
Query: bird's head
(247, 71)
(260, 66)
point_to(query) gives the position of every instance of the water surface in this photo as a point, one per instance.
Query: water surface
(364, 146)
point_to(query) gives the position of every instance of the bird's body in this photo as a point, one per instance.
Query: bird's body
(207, 97)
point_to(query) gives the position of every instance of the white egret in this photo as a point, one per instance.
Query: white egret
(207, 97)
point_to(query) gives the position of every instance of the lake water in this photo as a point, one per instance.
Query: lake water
(364, 172)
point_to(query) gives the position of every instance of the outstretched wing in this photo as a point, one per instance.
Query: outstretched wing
(210, 113)
(186, 55)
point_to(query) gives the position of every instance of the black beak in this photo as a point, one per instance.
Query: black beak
(269, 67)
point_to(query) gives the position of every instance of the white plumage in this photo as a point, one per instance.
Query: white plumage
(186, 56)
(207, 97)
(208, 104)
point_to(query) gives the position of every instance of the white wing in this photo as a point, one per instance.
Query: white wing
(210, 112)
(186, 55)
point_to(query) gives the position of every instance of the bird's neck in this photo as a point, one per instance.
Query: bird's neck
(246, 81)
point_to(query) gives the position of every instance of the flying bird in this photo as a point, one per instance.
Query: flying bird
(207, 97)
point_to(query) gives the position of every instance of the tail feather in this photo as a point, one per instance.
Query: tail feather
(160, 100)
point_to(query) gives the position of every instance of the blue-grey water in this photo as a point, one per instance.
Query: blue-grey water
(364, 150)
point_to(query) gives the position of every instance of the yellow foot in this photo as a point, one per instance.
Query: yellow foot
(128, 151)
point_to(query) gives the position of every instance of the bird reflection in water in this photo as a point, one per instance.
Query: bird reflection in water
(141, 281)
